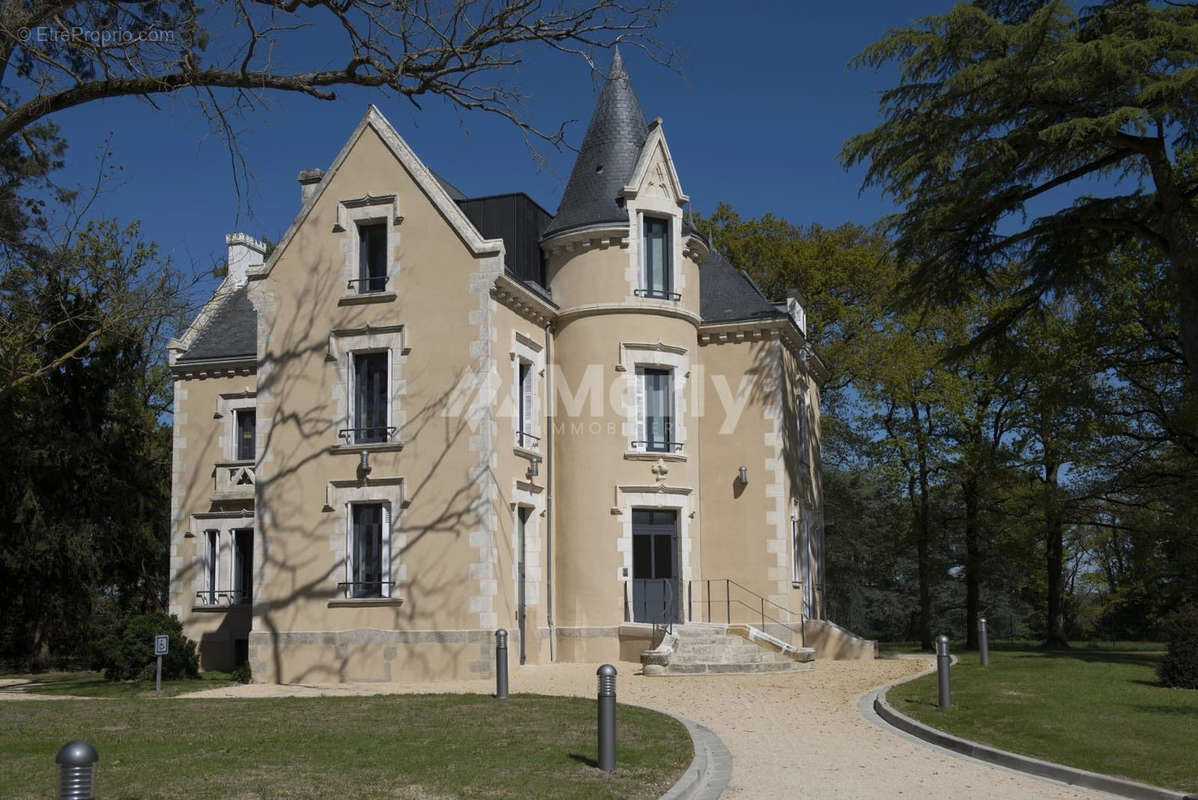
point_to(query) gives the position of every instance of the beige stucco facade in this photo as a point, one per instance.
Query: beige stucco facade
(456, 477)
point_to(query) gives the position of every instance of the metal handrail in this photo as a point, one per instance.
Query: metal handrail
(760, 606)
(522, 436)
(656, 294)
(668, 627)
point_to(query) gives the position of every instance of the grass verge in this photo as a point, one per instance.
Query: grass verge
(93, 684)
(386, 746)
(1097, 709)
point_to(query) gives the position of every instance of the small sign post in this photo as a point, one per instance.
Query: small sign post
(161, 645)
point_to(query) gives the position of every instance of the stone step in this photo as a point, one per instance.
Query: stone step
(725, 658)
(741, 667)
(712, 649)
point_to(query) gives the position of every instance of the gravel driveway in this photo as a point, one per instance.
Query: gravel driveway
(797, 735)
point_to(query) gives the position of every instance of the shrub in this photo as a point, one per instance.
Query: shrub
(1179, 667)
(241, 673)
(127, 652)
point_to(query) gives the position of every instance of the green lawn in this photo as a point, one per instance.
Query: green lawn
(93, 684)
(1089, 707)
(394, 746)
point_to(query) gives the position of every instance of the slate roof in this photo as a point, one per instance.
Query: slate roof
(607, 157)
(232, 332)
(454, 192)
(727, 294)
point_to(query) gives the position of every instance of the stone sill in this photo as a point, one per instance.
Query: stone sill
(641, 455)
(524, 452)
(363, 299)
(373, 447)
(218, 608)
(221, 497)
(366, 602)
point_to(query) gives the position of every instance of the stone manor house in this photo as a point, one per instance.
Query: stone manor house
(425, 416)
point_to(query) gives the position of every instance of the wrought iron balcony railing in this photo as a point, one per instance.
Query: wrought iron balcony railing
(658, 446)
(365, 590)
(657, 294)
(375, 283)
(527, 440)
(223, 597)
(375, 434)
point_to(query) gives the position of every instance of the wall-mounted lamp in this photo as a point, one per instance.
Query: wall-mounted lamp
(364, 463)
(534, 467)
(743, 476)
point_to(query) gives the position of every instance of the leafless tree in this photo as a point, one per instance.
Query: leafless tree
(57, 54)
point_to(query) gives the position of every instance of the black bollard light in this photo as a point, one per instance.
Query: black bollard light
(607, 717)
(77, 770)
(501, 664)
(984, 641)
(943, 662)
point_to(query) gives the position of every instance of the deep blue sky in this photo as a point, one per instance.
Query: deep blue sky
(755, 116)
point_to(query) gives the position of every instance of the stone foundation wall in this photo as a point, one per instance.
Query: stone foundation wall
(373, 656)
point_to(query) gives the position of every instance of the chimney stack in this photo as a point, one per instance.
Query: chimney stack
(244, 252)
(309, 179)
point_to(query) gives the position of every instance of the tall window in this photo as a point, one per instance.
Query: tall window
(656, 417)
(372, 257)
(525, 424)
(370, 395)
(243, 565)
(212, 566)
(804, 433)
(805, 561)
(655, 244)
(796, 575)
(366, 552)
(244, 420)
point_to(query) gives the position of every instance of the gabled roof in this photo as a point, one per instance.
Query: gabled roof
(727, 294)
(607, 158)
(439, 192)
(231, 331)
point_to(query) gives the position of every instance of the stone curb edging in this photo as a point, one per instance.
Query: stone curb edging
(708, 774)
(1003, 758)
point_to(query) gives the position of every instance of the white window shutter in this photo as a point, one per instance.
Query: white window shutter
(526, 393)
(639, 383)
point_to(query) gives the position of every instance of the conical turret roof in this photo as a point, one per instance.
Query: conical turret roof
(608, 155)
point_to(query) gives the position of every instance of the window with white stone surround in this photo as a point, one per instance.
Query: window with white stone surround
(239, 425)
(366, 543)
(370, 242)
(368, 550)
(369, 385)
(655, 402)
(804, 431)
(528, 369)
(657, 274)
(224, 560)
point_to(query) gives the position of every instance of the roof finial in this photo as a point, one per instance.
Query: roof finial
(617, 63)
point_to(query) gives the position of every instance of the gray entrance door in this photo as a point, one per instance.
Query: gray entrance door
(654, 565)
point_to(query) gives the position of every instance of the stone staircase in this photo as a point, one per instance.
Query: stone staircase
(705, 649)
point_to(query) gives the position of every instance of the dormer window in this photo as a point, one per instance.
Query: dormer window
(657, 279)
(372, 257)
